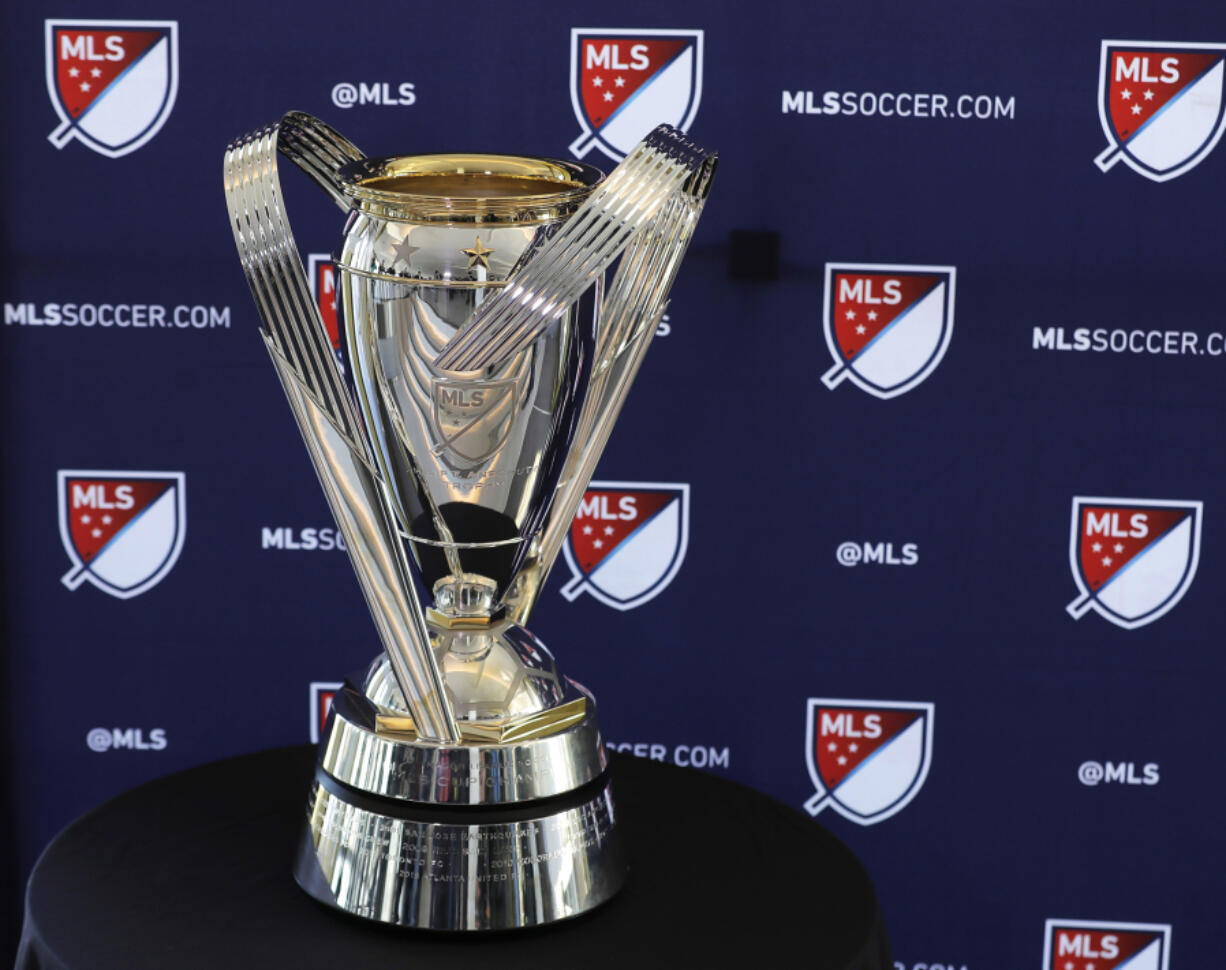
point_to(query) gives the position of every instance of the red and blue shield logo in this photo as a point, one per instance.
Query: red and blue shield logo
(112, 82)
(623, 83)
(322, 273)
(322, 692)
(123, 531)
(1078, 944)
(1160, 104)
(1132, 559)
(627, 542)
(887, 326)
(867, 759)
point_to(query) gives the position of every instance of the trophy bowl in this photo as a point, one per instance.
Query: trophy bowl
(462, 782)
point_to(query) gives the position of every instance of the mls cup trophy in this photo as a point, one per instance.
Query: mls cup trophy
(462, 782)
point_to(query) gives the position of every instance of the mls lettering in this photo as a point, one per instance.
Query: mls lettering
(597, 507)
(843, 725)
(1137, 69)
(95, 497)
(861, 291)
(609, 57)
(1108, 524)
(81, 47)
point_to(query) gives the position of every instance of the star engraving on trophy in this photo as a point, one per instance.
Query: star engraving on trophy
(404, 252)
(479, 255)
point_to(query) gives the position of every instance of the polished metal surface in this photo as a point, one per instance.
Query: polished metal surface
(369, 860)
(664, 166)
(462, 781)
(471, 462)
(392, 765)
(321, 404)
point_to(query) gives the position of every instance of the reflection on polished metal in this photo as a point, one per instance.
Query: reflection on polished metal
(462, 781)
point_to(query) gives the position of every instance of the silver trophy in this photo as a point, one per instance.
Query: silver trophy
(462, 782)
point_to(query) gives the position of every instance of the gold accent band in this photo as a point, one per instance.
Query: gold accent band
(450, 622)
(459, 189)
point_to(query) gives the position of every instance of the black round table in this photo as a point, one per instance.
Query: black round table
(193, 871)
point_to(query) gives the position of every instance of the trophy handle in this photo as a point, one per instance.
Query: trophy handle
(630, 314)
(319, 150)
(319, 398)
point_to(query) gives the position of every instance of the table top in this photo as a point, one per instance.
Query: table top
(193, 870)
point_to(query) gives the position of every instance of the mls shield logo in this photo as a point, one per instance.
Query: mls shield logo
(112, 82)
(123, 531)
(623, 83)
(1132, 559)
(473, 418)
(1075, 944)
(322, 273)
(1160, 105)
(322, 693)
(887, 326)
(867, 759)
(627, 542)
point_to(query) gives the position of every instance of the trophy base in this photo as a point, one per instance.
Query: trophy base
(460, 868)
(475, 836)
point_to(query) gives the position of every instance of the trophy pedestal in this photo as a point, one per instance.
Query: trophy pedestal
(477, 836)
(189, 871)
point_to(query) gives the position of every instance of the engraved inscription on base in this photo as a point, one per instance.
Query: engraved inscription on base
(446, 853)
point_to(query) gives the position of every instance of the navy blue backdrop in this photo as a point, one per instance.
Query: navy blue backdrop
(887, 531)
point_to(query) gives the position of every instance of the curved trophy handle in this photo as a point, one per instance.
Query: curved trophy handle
(319, 150)
(319, 398)
(645, 212)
